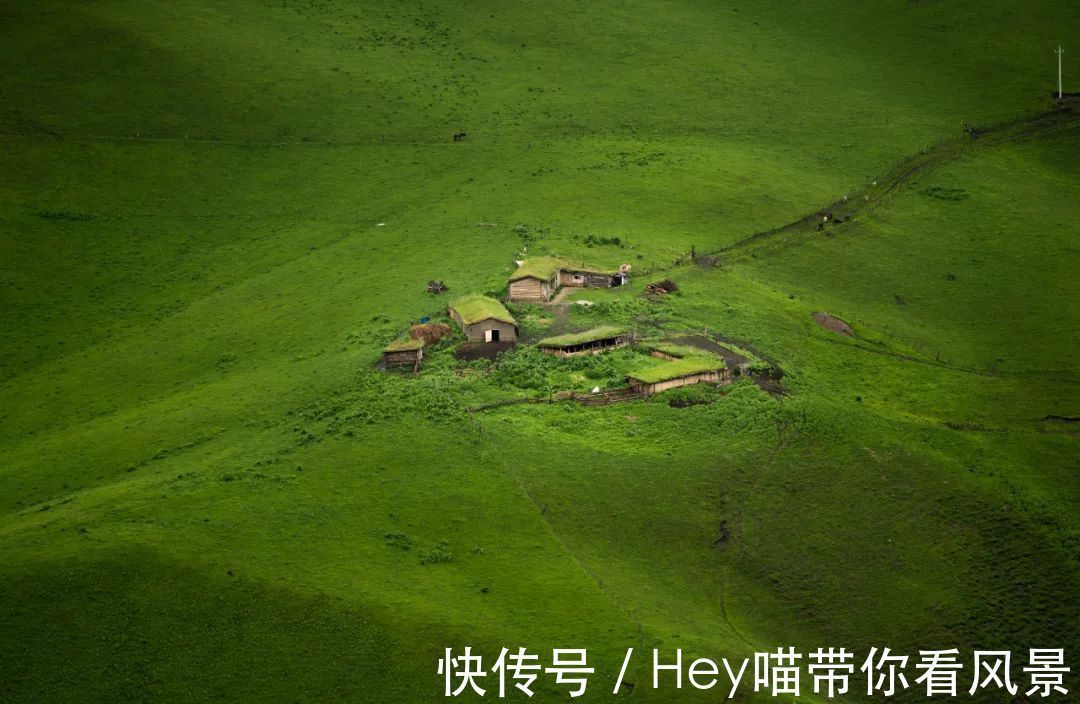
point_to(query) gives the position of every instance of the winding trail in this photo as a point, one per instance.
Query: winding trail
(1062, 118)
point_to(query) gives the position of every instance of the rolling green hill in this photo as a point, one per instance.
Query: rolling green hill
(214, 216)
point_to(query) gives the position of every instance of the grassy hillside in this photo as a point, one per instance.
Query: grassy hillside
(212, 218)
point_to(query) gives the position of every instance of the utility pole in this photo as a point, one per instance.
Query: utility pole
(1059, 51)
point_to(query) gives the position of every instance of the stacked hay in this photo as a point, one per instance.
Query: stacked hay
(660, 288)
(429, 333)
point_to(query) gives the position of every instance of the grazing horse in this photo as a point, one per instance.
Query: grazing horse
(459, 136)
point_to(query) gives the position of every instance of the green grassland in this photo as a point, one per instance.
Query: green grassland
(213, 218)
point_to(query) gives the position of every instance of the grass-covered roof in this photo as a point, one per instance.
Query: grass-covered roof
(679, 368)
(404, 345)
(545, 267)
(579, 338)
(676, 350)
(475, 308)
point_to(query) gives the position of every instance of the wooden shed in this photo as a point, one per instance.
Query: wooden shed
(484, 319)
(535, 281)
(593, 341)
(404, 353)
(538, 278)
(580, 277)
(680, 372)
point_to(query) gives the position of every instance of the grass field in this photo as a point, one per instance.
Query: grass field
(213, 217)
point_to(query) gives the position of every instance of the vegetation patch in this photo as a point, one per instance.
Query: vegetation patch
(696, 395)
(404, 345)
(300, 243)
(438, 554)
(401, 541)
(595, 240)
(674, 349)
(528, 368)
(66, 215)
(945, 193)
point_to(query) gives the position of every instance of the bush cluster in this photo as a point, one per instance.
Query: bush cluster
(592, 240)
(438, 554)
(624, 311)
(530, 369)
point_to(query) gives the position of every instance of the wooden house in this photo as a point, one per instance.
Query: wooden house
(535, 281)
(538, 278)
(484, 319)
(680, 372)
(581, 277)
(592, 341)
(404, 353)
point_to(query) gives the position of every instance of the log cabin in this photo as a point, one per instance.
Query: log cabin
(680, 372)
(484, 319)
(538, 278)
(594, 341)
(403, 353)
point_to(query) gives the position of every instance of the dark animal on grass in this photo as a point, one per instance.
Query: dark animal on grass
(459, 136)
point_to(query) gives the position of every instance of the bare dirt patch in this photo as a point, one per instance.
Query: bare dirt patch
(769, 383)
(832, 323)
(470, 351)
(733, 359)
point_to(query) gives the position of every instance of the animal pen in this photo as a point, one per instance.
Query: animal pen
(593, 341)
(404, 353)
(680, 372)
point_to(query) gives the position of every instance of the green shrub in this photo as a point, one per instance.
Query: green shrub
(592, 240)
(437, 555)
(525, 368)
(685, 396)
(943, 193)
(758, 366)
(400, 541)
(66, 215)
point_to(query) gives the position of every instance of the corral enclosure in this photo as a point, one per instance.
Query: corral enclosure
(591, 341)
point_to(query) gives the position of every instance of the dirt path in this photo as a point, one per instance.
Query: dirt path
(732, 357)
(1061, 118)
(558, 308)
(560, 296)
